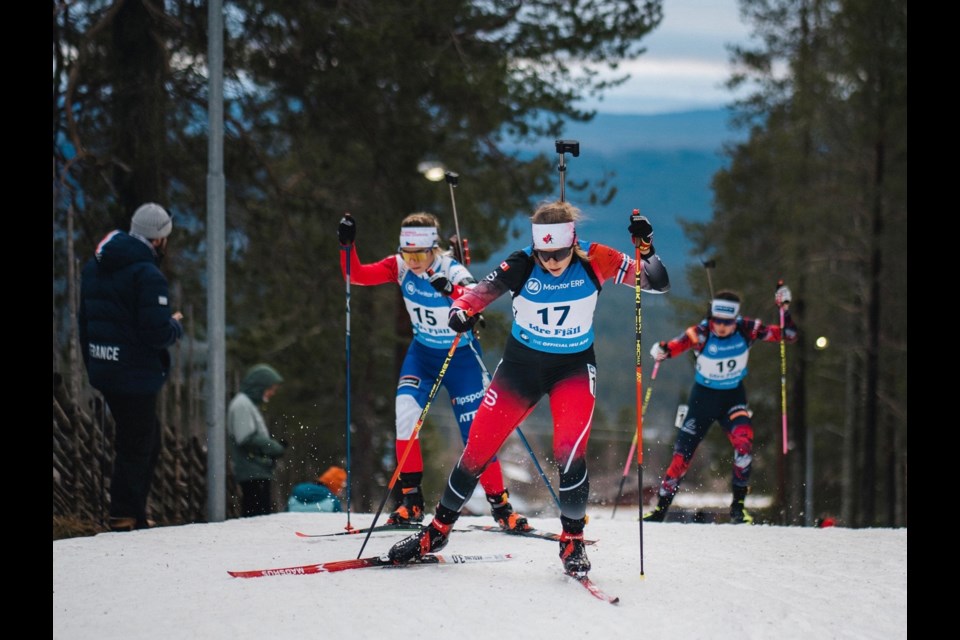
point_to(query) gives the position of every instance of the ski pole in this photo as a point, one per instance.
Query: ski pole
(639, 331)
(413, 436)
(623, 478)
(461, 250)
(783, 376)
(460, 253)
(349, 249)
(626, 466)
(536, 463)
(563, 147)
(709, 264)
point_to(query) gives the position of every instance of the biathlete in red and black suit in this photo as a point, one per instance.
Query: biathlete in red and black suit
(555, 283)
(721, 343)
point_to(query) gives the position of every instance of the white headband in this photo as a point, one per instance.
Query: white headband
(418, 237)
(724, 309)
(559, 235)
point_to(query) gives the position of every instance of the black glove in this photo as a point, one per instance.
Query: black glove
(460, 321)
(640, 230)
(439, 282)
(347, 230)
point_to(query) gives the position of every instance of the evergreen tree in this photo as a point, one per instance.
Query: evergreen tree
(330, 107)
(817, 195)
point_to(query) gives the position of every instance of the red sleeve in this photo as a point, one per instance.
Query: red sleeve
(510, 275)
(684, 342)
(368, 274)
(609, 263)
(457, 292)
(771, 333)
(759, 331)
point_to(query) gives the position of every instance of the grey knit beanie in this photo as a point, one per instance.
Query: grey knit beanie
(151, 221)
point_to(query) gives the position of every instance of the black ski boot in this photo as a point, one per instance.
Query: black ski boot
(431, 538)
(659, 513)
(573, 552)
(738, 512)
(504, 514)
(410, 510)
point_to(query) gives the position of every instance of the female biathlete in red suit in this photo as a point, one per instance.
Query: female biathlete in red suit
(555, 283)
(721, 343)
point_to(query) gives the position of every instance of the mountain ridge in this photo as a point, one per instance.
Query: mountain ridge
(662, 165)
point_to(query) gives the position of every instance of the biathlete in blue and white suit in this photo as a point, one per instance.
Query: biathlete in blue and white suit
(555, 284)
(722, 343)
(430, 280)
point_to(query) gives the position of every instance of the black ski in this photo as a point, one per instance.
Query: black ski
(530, 533)
(382, 527)
(594, 590)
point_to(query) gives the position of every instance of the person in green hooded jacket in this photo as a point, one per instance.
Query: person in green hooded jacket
(253, 452)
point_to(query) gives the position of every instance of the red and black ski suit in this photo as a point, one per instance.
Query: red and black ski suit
(549, 352)
(718, 394)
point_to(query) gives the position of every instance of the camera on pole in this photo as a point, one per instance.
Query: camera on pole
(564, 147)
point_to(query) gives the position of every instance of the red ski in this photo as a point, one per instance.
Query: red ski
(596, 591)
(373, 561)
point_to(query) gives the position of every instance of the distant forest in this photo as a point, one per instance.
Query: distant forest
(330, 107)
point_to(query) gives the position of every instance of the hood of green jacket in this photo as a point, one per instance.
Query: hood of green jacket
(258, 379)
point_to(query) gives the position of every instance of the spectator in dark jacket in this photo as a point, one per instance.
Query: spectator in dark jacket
(126, 326)
(254, 452)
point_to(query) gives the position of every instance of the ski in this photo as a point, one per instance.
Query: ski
(596, 591)
(530, 533)
(372, 561)
(382, 527)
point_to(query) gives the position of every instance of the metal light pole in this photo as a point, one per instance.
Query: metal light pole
(216, 317)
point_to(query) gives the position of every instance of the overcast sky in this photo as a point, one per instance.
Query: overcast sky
(686, 62)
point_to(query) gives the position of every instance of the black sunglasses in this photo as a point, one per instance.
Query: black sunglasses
(557, 255)
(724, 321)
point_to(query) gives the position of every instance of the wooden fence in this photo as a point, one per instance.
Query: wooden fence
(83, 460)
